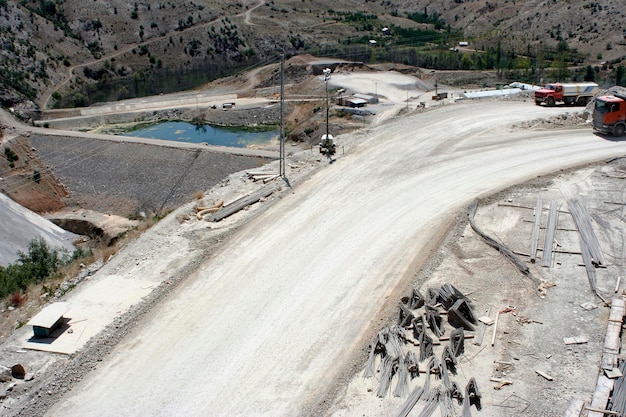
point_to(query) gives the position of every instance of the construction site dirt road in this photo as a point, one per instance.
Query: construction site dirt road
(276, 305)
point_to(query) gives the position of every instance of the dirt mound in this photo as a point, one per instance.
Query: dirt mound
(30, 182)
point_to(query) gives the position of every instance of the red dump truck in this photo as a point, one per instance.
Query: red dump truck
(609, 114)
(577, 94)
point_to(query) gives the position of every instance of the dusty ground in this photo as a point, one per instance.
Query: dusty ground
(530, 337)
(321, 283)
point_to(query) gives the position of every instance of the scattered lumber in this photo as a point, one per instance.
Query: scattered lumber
(607, 386)
(242, 202)
(574, 408)
(264, 176)
(575, 340)
(500, 382)
(602, 411)
(544, 375)
(495, 327)
(612, 341)
(203, 211)
(613, 373)
(482, 326)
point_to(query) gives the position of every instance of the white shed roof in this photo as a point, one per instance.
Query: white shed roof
(47, 317)
(492, 93)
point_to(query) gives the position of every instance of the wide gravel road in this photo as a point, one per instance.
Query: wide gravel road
(268, 325)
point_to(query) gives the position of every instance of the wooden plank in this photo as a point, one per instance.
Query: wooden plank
(600, 399)
(242, 202)
(543, 374)
(613, 373)
(495, 327)
(602, 411)
(574, 408)
(617, 310)
(612, 339)
(575, 340)
(612, 344)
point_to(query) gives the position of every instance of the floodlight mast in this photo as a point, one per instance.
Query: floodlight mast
(282, 112)
(327, 144)
(327, 72)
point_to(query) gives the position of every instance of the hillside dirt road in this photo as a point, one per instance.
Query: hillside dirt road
(273, 321)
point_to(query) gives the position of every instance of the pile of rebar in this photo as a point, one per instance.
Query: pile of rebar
(589, 245)
(618, 398)
(583, 224)
(389, 361)
(553, 215)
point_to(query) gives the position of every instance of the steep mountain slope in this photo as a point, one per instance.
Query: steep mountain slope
(68, 53)
(593, 28)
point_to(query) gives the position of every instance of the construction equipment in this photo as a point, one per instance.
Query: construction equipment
(577, 94)
(609, 114)
(327, 145)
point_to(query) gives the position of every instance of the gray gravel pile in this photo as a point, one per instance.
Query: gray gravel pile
(131, 178)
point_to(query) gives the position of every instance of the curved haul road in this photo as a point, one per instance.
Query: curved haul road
(265, 326)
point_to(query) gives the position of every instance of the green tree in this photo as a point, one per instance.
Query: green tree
(11, 156)
(40, 262)
(590, 74)
(467, 62)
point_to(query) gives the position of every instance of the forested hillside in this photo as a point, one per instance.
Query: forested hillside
(67, 53)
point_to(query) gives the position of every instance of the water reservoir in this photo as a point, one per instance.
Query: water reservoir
(212, 135)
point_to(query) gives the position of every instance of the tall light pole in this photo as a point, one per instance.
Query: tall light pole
(326, 72)
(327, 145)
(282, 128)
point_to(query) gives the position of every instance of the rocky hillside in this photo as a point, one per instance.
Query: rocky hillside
(66, 53)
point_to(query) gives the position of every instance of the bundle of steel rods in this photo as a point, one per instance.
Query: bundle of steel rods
(553, 215)
(410, 402)
(431, 404)
(386, 375)
(402, 386)
(618, 397)
(583, 224)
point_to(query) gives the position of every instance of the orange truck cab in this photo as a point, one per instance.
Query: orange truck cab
(609, 114)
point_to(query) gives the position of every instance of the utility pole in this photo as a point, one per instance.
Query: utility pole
(282, 126)
(326, 78)
(327, 144)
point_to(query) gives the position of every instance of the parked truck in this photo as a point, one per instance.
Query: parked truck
(609, 114)
(577, 94)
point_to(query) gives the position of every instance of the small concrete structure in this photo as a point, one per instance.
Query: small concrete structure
(370, 99)
(48, 319)
(351, 102)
